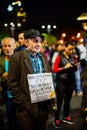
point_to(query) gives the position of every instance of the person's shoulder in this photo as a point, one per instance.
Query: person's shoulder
(17, 49)
(55, 54)
(17, 54)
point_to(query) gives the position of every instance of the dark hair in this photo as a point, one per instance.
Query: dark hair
(70, 43)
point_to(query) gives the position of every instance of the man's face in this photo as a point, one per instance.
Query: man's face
(8, 47)
(21, 39)
(34, 44)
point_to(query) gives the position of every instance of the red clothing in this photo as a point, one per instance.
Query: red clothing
(56, 67)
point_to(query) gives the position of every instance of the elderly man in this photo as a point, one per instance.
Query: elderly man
(31, 116)
(8, 45)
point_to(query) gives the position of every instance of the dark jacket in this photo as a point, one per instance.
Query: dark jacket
(19, 48)
(19, 66)
(3, 80)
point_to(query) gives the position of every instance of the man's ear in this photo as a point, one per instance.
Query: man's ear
(26, 42)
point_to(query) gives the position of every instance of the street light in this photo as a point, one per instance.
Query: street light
(49, 28)
(11, 25)
(12, 28)
(63, 35)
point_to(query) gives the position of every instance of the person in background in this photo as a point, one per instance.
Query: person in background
(78, 88)
(21, 42)
(1, 51)
(31, 116)
(59, 49)
(65, 67)
(82, 49)
(8, 44)
(84, 97)
(1, 109)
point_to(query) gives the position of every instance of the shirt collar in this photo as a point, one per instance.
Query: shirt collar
(31, 54)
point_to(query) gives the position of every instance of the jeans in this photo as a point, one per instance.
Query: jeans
(78, 80)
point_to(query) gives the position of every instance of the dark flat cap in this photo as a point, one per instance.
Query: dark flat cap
(32, 33)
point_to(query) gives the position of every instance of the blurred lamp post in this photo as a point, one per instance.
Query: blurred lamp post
(48, 28)
(11, 25)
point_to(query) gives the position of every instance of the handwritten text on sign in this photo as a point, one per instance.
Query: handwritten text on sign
(41, 87)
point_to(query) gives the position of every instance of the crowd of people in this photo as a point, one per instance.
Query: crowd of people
(67, 63)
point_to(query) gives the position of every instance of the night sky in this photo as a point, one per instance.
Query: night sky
(47, 11)
(56, 10)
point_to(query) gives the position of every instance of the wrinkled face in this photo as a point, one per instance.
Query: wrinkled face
(34, 44)
(8, 47)
(21, 39)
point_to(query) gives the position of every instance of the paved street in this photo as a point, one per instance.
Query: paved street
(75, 114)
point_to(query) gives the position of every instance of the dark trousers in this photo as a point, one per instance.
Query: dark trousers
(27, 122)
(64, 90)
(11, 114)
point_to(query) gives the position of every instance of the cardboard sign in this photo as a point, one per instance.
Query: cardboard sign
(41, 87)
